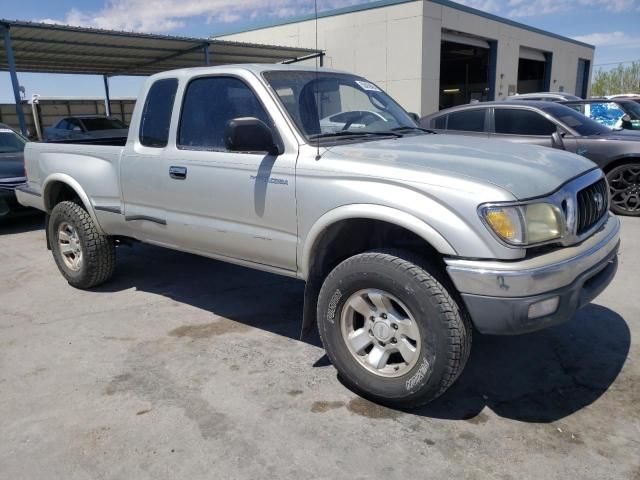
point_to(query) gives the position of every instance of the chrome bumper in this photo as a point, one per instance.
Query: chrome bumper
(535, 275)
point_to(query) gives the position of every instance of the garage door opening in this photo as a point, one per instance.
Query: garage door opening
(464, 73)
(532, 71)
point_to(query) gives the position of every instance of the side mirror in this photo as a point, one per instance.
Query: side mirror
(415, 117)
(626, 121)
(249, 134)
(556, 140)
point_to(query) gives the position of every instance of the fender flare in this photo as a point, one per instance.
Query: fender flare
(75, 186)
(620, 160)
(373, 212)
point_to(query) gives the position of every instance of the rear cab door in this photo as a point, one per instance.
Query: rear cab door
(142, 166)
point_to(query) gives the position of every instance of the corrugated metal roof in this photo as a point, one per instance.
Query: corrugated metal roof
(51, 48)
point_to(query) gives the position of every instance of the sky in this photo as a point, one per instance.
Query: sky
(613, 26)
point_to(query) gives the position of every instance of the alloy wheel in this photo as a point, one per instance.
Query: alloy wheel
(380, 332)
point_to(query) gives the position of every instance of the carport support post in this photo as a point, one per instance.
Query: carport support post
(205, 50)
(107, 97)
(11, 61)
(548, 56)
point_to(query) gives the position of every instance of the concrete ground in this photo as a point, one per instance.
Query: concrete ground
(183, 367)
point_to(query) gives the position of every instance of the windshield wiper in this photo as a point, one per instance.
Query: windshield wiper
(347, 133)
(401, 129)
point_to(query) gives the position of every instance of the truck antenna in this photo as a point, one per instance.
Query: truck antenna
(315, 8)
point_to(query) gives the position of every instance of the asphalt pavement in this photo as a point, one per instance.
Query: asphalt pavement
(187, 368)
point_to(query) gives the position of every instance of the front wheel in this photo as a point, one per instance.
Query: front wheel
(624, 185)
(391, 329)
(85, 257)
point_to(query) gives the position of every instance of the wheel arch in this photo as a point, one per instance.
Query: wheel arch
(621, 160)
(59, 187)
(368, 212)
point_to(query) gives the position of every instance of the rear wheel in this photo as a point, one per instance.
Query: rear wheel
(85, 257)
(624, 185)
(391, 328)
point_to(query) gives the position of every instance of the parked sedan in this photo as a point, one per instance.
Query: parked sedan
(86, 127)
(549, 124)
(614, 113)
(11, 171)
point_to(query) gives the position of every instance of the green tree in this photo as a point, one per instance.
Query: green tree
(622, 79)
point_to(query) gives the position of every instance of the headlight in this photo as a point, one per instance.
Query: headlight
(524, 225)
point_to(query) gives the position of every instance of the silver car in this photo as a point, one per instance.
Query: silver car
(549, 124)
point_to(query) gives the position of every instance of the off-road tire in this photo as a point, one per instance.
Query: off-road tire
(444, 326)
(98, 251)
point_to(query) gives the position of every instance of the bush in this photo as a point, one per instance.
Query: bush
(622, 79)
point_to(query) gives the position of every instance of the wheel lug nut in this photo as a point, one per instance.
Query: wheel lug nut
(384, 315)
(370, 333)
(393, 340)
(395, 326)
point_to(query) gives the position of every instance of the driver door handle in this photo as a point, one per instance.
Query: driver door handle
(178, 173)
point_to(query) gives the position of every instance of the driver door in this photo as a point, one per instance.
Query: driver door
(238, 205)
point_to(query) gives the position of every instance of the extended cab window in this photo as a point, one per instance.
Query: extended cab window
(467, 121)
(512, 121)
(209, 104)
(156, 116)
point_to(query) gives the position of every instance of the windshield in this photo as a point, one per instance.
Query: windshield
(633, 109)
(99, 123)
(10, 142)
(327, 105)
(584, 126)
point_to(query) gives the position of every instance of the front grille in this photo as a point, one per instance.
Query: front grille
(593, 204)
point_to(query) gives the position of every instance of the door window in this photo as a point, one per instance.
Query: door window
(209, 104)
(512, 121)
(156, 116)
(467, 121)
(606, 113)
(440, 122)
(74, 124)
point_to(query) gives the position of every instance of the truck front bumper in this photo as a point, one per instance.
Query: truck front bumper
(507, 298)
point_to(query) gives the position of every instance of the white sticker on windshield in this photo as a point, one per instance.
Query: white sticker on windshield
(368, 86)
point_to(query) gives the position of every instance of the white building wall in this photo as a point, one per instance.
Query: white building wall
(398, 47)
(383, 44)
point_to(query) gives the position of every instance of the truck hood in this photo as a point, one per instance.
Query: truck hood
(524, 170)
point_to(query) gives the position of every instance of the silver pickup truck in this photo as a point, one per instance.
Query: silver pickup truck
(405, 239)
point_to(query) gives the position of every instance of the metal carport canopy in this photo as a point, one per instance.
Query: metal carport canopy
(52, 48)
